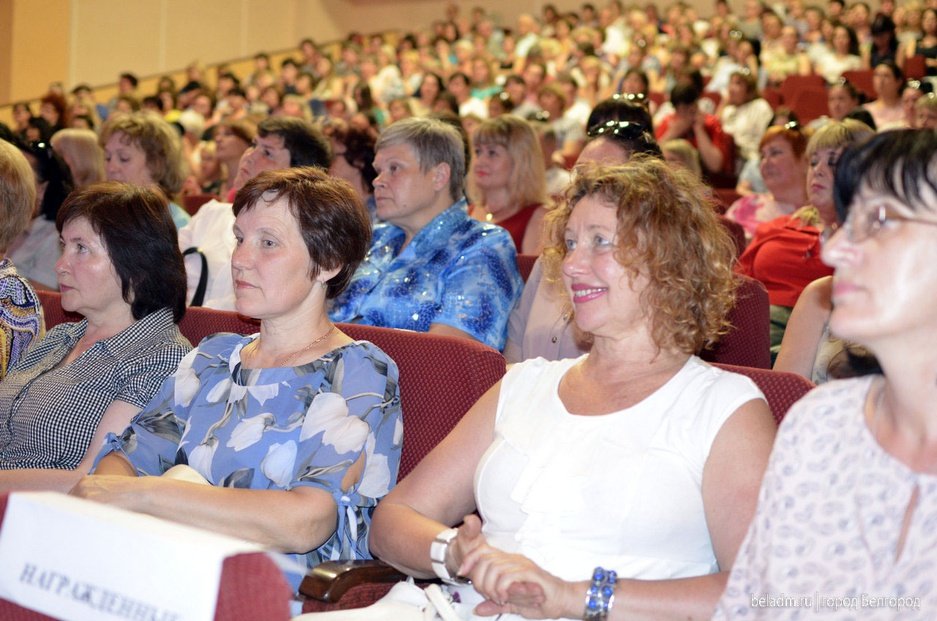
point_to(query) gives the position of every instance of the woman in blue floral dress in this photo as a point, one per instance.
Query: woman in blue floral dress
(297, 429)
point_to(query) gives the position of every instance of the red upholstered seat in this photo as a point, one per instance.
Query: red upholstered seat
(192, 203)
(525, 263)
(915, 68)
(862, 80)
(793, 84)
(252, 587)
(810, 103)
(748, 343)
(781, 389)
(737, 232)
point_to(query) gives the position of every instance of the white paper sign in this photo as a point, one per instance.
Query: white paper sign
(79, 560)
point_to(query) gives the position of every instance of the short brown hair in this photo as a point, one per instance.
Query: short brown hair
(333, 221)
(141, 240)
(668, 231)
(160, 143)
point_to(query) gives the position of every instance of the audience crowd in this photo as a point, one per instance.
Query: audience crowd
(563, 189)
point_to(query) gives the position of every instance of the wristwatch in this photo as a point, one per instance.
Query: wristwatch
(437, 555)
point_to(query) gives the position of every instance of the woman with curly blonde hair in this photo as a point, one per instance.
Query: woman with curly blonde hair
(637, 457)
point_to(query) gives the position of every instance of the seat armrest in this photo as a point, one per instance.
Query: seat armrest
(330, 580)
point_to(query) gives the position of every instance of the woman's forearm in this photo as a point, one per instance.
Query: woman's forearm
(294, 521)
(402, 537)
(38, 479)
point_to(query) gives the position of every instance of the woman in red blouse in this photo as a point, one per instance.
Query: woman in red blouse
(784, 254)
(507, 183)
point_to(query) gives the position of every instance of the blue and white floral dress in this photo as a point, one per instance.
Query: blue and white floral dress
(278, 428)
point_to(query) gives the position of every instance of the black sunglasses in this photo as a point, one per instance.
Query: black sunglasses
(625, 129)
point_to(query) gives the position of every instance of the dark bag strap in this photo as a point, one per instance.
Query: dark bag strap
(199, 297)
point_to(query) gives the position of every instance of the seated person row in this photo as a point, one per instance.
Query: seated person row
(86, 379)
(565, 461)
(297, 429)
(431, 267)
(785, 252)
(464, 287)
(21, 321)
(848, 500)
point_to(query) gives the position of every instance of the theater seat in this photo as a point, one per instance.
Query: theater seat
(781, 389)
(748, 342)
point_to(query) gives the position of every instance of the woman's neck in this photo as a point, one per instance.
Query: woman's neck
(498, 205)
(795, 194)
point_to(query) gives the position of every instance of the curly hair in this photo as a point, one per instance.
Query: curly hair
(667, 231)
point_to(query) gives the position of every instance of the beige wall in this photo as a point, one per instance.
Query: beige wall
(93, 41)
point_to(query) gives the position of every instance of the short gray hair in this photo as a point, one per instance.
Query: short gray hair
(435, 143)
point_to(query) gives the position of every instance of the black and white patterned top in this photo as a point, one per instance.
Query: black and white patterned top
(49, 413)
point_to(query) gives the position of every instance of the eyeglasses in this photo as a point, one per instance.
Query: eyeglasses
(625, 129)
(861, 226)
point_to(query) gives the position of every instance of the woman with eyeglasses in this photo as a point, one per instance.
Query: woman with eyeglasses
(849, 500)
(507, 181)
(784, 253)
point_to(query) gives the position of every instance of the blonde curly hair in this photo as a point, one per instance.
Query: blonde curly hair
(669, 232)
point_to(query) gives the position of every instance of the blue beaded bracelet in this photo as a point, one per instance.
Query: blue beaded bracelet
(600, 595)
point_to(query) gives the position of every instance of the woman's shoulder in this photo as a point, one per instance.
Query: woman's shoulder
(832, 404)
(533, 370)
(222, 342)
(368, 352)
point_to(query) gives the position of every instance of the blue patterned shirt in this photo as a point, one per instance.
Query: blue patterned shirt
(278, 428)
(456, 271)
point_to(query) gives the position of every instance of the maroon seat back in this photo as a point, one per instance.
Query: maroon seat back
(441, 377)
(781, 389)
(748, 343)
(810, 103)
(737, 232)
(862, 80)
(525, 263)
(252, 587)
(793, 84)
(193, 202)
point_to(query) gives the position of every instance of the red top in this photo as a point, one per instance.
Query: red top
(784, 255)
(714, 130)
(516, 225)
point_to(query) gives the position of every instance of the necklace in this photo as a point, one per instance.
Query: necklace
(289, 359)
